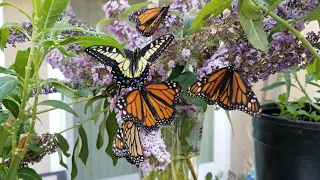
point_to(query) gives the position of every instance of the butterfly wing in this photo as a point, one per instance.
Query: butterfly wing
(108, 55)
(226, 88)
(148, 20)
(243, 98)
(127, 143)
(121, 66)
(153, 50)
(119, 147)
(135, 107)
(209, 87)
(162, 97)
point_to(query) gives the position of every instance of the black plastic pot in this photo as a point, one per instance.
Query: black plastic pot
(285, 149)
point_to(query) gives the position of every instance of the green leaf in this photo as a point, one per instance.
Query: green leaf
(135, 8)
(87, 41)
(7, 71)
(7, 84)
(60, 105)
(21, 63)
(65, 90)
(11, 105)
(310, 78)
(311, 68)
(91, 101)
(196, 101)
(287, 79)
(4, 35)
(84, 151)
(250, 11)
(209, 176)
(100, 139)
(74, 170)
(186, 79)
(187, 23)
(63, 144)
(36, 5)
(28, 174)
(50, 12)
(230, 121)
(274, 5)
(318, 69)
(176, 71)
(314, 15)
(100, 27)
(18, 8)
(17, 27)
(283, 97)
(215, 7)
(3, 172)
(272, 86)
(253, 30)
(61, 158)
(112, 127)
(65, 52)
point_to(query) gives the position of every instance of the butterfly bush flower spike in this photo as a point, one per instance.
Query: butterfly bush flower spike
(155, 149)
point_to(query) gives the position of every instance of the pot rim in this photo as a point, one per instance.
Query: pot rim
(284, 121)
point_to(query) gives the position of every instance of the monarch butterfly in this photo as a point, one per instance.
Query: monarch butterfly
(132, 70)
(148, 20)
(127, 143)
(150, 105)
(227, 88)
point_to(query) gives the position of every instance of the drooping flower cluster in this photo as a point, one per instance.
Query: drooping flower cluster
(16, 36)
(154, 149)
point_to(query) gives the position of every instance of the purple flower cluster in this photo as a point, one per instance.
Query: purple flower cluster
(15, 36)
(80, 69)
(153, 149)
(285, 50)
(121, 30)
(157, 73)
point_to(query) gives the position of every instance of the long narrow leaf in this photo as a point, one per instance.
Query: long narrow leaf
(84, 151)
(74, 170)
(18, 8)
(112, 127)
(60, 105)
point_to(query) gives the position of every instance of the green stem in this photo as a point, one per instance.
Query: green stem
(183, 170)
(74, 102)
(15, 161)
(193, 173)
(3, 137)
(86, 120)
(301, 87)
(34, 115)
(304, 41)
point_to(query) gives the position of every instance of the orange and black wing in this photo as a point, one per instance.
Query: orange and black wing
(148, 20)
(226, 88)
(127, 143)
(135, 107)
(242, 97)
(162, 98)
(209, 88)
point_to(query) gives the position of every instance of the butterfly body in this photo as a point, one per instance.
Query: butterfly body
(150, 105)
(228, 89)
(148, 20)
(132, 70)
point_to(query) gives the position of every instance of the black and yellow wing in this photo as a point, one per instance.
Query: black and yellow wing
(153, 50)
(148, 20)
(226, 88)
(127, 143)
(124, 70)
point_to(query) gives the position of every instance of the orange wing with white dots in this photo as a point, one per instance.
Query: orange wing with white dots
(226, 88)
(152, 105)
